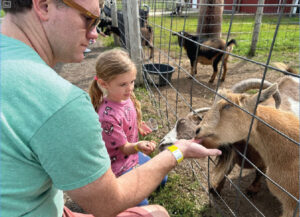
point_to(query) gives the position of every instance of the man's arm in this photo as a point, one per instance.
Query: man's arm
(109, 195)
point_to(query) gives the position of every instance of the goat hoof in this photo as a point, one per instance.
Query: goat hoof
(251, 193)
(211, 81)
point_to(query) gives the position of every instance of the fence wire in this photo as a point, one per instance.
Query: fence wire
(265, 32)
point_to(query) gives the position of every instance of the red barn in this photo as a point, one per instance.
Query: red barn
(252, 9)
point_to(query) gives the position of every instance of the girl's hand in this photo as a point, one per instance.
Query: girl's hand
(146, 147)
(145, 129)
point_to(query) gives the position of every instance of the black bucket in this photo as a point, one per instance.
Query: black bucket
(155, 73)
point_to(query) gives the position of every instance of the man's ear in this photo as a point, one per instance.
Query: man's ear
(41, 8)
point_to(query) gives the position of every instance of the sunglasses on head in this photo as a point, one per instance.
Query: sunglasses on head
(92, 20)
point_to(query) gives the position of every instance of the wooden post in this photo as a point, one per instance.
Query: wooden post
(256, 29)
(133, 37)
(114, 20)
(293, 10)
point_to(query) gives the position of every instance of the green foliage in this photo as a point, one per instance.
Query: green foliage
(2, 13)
(108, 42)
(287, 39)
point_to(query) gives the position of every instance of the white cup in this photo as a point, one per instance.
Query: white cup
(152, 123)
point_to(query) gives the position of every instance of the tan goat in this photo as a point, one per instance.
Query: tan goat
(185, 128)
(225, 123)
(287, 98)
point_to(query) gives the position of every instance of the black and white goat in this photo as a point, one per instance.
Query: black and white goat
(205, 55)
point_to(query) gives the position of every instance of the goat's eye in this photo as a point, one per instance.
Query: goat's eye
(226, 106)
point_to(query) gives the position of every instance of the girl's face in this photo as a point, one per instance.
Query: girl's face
(121, 87)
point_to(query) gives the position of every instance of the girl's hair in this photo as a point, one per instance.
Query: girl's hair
(110, 64)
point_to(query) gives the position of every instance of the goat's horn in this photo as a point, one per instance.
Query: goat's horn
(254, 83)
(200, 110)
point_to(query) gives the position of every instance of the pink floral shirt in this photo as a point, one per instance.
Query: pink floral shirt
(119, 124)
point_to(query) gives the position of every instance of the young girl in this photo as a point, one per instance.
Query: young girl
(119, 112)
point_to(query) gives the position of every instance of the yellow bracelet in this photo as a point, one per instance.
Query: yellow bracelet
(136, 147)
(176, 152)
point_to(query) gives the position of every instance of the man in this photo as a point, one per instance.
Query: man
(50, 135)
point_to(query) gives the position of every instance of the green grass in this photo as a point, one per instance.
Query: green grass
(107, 41)
(287, 40)
(178, 198)
(2, 13)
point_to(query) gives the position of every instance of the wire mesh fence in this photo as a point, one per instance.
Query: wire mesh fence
(265, 32)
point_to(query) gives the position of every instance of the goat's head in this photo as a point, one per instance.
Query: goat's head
(226, 123)
(183, 129)
(144, 14)
(181, 39)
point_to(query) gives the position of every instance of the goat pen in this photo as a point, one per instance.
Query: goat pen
(265, 32)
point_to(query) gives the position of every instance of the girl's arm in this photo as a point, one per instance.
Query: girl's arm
(144, 146)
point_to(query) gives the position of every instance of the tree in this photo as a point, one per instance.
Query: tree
(210, 19)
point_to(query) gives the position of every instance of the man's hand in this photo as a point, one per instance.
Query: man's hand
(191, 149)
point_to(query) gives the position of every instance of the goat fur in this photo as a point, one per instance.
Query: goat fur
(287, 98)
(185, 128)
(225, 123)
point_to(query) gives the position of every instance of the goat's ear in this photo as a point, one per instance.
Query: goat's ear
(195, 118)
(265, 94)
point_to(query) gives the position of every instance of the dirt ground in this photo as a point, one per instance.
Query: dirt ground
(81, 74)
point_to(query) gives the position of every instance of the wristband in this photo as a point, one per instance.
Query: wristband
(176, 152)
(136, 147)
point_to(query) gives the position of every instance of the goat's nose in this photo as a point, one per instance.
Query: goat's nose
(198, 130)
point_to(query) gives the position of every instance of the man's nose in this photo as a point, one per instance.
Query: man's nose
(92, 34)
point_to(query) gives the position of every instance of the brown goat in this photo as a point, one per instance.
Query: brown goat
(185, 128)
(147, 39)
(225, 123)
(205, 55)
(287, 98)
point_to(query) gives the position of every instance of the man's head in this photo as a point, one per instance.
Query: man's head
(59, 30)
(14, 6)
